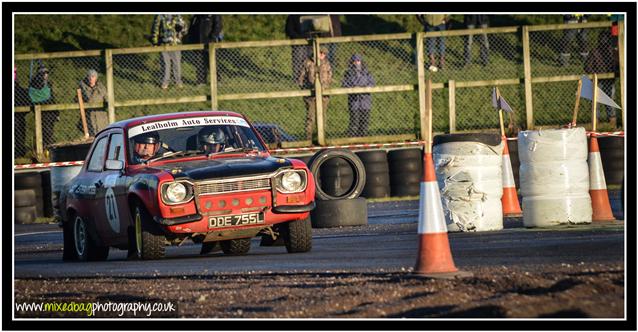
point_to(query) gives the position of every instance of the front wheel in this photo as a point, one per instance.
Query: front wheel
(149, 238)
(298, 235)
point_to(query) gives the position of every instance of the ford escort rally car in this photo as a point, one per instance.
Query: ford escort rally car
(207, 176)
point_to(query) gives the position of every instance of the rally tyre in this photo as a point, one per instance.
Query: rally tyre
(342, 212)
(355, 164)
(372, 156)
(298, 235)
(28, 180)
(149, 238)
(85, 247)
(24, 197)
(405, 154)
(236, 247)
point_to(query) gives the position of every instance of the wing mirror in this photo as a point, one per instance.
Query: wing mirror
(114, 165)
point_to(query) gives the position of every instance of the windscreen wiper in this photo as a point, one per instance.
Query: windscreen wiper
(177, 154)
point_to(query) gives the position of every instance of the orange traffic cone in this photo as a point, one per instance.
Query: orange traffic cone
(434, 259)
(511, 207)
(597, 186)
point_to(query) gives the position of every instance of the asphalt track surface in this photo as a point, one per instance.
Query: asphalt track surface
(387, 243)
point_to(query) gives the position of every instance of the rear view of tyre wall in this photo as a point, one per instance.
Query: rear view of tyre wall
(377, 173)
(406, 171)
(612, 153)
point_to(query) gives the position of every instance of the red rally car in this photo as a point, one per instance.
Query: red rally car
(206, 176)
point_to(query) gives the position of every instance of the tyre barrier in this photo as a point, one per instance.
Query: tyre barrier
(40, 183)
(25, 206)
(70, 152)
(554, 177)
(377, 173)
(612, 154)
(340, 212)
(469, 175)
(337, 175)
(406, 171)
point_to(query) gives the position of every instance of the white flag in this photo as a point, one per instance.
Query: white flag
(601, 97)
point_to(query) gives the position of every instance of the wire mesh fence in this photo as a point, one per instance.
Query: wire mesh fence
(376, 100)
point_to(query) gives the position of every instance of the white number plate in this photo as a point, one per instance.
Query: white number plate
(236, 220)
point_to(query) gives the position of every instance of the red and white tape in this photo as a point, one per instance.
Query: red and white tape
(47, 165)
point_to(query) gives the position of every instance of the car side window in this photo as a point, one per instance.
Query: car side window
(116, 148)
(96, 163)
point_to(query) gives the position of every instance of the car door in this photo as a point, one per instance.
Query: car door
(110, 203)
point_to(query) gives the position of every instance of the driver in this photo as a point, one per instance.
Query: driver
(212, 139)
(146, 146)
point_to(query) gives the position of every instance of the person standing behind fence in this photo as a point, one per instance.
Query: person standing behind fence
(472, 22)
(169, 30)
(436, 22)
(604, 59)
(205, 29)
(568, 38)
(41, 92)
(359, 104)
(306, 80)
(93, 91)
(299, 52)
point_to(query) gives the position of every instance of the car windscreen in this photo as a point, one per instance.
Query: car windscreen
(190, 134)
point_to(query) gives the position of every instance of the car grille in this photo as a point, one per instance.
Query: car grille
(213, 187)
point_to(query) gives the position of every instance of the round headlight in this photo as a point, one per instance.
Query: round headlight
(175, 192)
(291, 181)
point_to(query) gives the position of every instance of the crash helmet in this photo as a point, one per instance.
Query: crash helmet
(147, 138)
(211, 136)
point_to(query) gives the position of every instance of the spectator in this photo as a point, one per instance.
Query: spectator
(604, 59)
(205, 29)
(568, 38)
(436, 22)
(306, 80)
(168, 30)
(359, 104)
(93, 91)
(21, 98)
(295, 29)
(615, 19)
(299, 52)
(41, 92)
(146, 146)
(472, 22)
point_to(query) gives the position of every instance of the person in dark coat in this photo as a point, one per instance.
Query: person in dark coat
(205, 29)
(473, 22)
(604, 59)
(359, 104)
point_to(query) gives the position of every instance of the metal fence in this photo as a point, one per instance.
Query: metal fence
(535, 67)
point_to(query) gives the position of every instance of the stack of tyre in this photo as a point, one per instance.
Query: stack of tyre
(377, 170)
(340, 177)
(32, 196)
(406, 171)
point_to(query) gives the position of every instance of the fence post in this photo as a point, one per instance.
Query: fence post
(39, 147)
(321, 135)
(452, 104)
(529, 110)
(621, 66)
(108, 60)
(420, 65)
(212, 62)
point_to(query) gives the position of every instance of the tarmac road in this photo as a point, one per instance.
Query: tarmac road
(387, 243)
